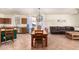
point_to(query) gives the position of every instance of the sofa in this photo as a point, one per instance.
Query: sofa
(60, 29)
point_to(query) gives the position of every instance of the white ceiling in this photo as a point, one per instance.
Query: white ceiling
(31, 11)
(59, 11)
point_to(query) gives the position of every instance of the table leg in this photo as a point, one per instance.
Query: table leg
(46, 41)
(0, 41)
(13, 42)
(31, 41)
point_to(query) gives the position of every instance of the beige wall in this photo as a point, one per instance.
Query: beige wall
(50, 19)
(65, 20)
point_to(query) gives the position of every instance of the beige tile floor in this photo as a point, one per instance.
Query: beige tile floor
(55, 42)
(22, 42)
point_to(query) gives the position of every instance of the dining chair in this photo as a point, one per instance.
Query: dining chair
(38, 37)
(9, 34)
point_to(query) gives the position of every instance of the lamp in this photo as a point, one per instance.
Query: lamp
(39, 19)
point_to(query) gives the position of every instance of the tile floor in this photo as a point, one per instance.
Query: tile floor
(55, 42)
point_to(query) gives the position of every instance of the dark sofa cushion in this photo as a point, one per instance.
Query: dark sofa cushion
(58, 29)
(69, 28)
(72, 28)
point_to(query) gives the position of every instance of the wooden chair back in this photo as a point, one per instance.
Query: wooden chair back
(9, 32)
(39, 37)
(39, 33)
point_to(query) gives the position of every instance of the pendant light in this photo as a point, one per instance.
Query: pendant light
(38, 19)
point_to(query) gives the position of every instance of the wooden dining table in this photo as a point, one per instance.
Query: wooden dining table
(45, 35)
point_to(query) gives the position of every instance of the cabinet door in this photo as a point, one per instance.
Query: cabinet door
(1, 21)
(23, 30)
(24, 20)
(7, 20)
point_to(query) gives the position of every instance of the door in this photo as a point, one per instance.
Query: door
(24, 21)
(23, 25)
